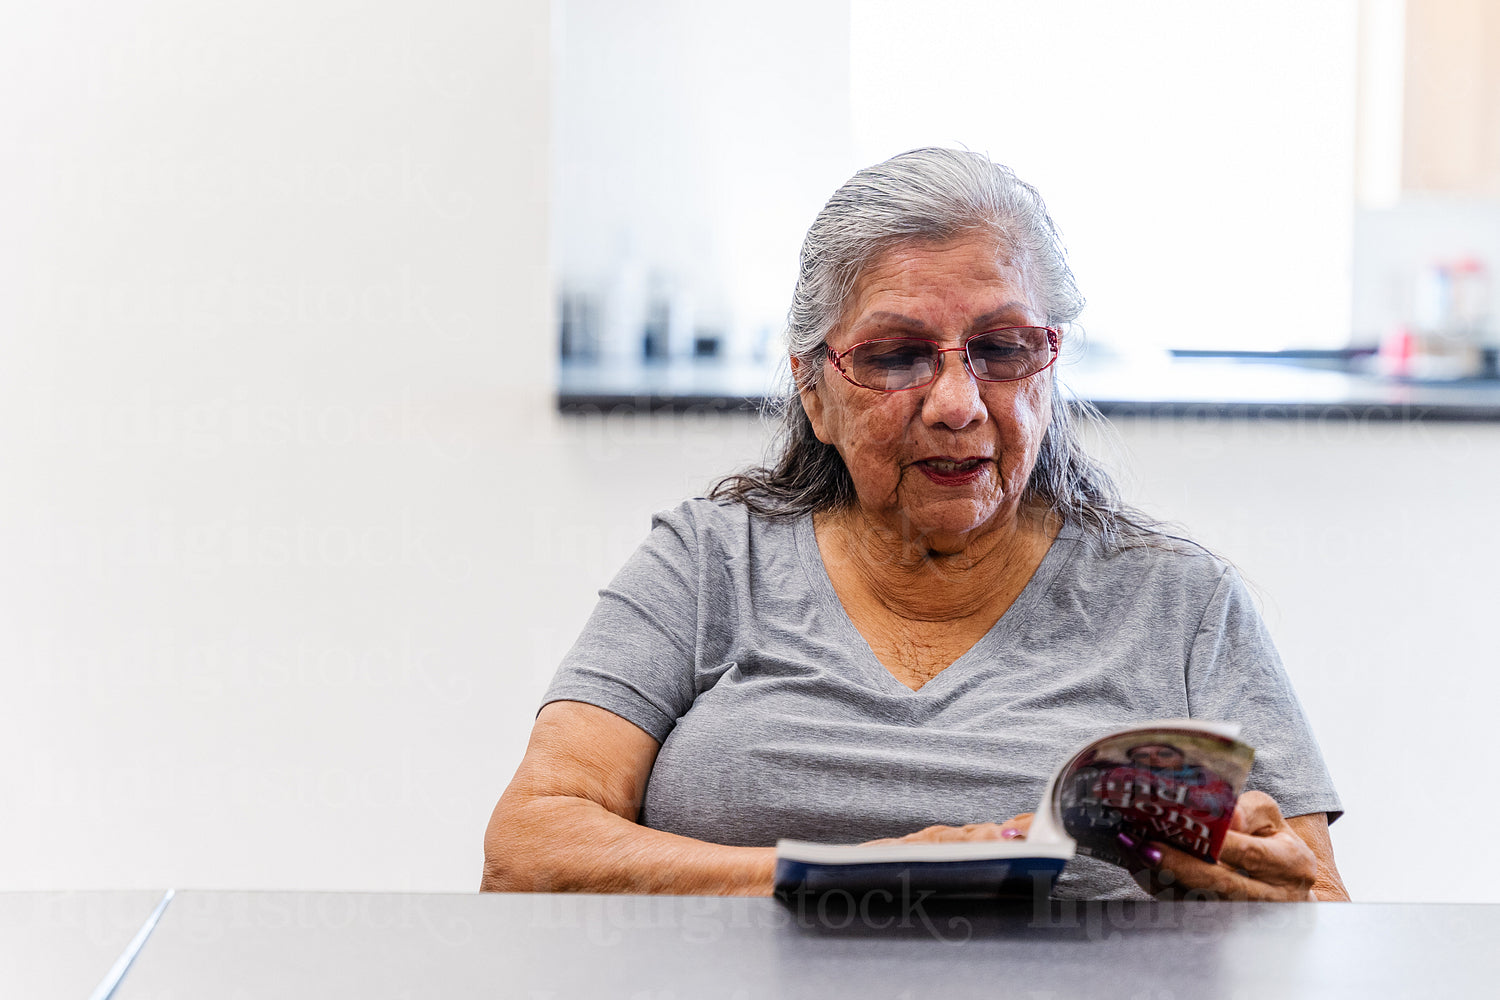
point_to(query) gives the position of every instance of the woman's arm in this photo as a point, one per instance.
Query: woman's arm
(1313, 829)
(567, 823)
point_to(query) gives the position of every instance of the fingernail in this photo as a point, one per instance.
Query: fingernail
(1152, 855)
(1011, 833)
(1126, 839)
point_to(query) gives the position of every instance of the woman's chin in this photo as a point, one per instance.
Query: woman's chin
(953, 526)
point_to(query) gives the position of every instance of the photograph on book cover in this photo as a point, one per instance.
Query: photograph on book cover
(1171, 786)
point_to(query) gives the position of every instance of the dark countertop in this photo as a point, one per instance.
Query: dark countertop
(301, 944)
(1160, 386)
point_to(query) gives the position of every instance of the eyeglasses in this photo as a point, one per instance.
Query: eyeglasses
(900, 363)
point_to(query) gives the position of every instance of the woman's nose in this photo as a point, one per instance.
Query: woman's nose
(953, 399)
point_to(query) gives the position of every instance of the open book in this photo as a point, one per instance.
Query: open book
(1174, 782)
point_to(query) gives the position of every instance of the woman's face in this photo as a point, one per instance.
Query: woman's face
(1157, 757)
(900, 447)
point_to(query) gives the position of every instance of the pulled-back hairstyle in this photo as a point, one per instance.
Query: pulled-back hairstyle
(928, 195)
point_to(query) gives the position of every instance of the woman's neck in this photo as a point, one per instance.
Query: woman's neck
(889, 567)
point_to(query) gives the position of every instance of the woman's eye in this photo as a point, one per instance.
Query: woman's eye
(991, 351)
(896, 356)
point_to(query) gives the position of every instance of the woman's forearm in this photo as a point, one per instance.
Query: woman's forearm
(567, 844)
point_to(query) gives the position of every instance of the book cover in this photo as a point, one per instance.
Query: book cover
(1169, 784)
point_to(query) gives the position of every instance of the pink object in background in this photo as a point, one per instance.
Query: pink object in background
(1395, 353)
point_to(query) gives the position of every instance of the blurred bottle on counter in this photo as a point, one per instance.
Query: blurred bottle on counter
(682, 319)
(1470, 290)
(670, 318)
(680, 326)
(1473, 317)
(578, 324)
(655, 341)
(622, 327)
(1394, 356)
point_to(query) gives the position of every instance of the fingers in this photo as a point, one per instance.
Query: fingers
(950, 834)
(1017, 828)
(1262, 844)
(1261, 858)
(1281, 859)
(970, 831)
(1257, 814)
(1178, 871)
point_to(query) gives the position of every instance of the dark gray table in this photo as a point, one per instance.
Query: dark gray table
(547, 947)
(61, 944)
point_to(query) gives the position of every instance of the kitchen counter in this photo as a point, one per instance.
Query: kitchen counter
(1157, 385)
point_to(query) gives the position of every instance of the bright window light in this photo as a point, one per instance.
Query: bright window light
(1199, 157)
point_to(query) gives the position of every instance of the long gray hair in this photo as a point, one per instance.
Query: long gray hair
(927, 196)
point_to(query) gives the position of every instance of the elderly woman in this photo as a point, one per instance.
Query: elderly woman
(902, 626)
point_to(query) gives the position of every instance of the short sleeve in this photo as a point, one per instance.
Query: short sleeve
(637, 653)
(1235, 674)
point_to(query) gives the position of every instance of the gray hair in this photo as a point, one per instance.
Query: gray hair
(928, 195)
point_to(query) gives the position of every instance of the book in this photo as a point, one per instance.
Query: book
(1172, 781)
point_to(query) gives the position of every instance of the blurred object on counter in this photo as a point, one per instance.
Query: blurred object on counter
(1424, 273)
(1394, 358)
(641, 316)
(622, 333)
(1450, 334)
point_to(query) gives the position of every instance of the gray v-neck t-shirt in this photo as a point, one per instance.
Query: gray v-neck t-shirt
(723, 638)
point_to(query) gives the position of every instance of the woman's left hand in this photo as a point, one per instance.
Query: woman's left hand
(1263, 858)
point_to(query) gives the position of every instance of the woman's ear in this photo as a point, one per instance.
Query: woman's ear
(812, 401)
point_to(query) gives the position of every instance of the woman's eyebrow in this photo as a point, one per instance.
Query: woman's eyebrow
(1011, 313)
(890, 319)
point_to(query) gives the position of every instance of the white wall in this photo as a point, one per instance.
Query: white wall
(275, 325)
(292, 537)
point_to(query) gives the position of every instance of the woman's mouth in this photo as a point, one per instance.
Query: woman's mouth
(952, 471)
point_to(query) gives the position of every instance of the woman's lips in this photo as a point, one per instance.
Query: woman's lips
(952, 471)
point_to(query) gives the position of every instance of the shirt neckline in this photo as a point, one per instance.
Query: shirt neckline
(1010, 624)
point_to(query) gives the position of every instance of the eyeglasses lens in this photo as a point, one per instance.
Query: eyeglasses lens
(996, 356)
(892, 365)
(1004, 355)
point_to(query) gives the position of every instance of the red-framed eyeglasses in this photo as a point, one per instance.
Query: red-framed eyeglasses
(894, 364)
